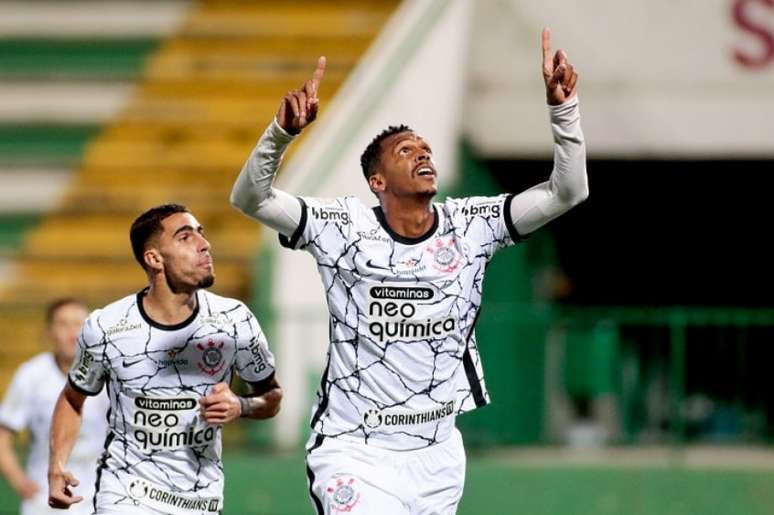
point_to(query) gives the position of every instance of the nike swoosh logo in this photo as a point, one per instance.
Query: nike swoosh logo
(128, 364)
(370, 264)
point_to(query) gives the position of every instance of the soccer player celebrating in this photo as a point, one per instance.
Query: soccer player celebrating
(167, 355)
(403, 282)
(28, 404)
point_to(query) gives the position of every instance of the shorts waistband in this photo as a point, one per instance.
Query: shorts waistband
(159, 498)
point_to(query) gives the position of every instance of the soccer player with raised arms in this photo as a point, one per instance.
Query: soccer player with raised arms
(403, 283)
(167, 356)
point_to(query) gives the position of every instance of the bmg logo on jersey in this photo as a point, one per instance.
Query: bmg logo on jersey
(331, 214)
(391, 312)
(84, 365)
(492, 209)
(259, 358)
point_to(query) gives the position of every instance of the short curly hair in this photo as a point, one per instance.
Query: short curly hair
(369, 160)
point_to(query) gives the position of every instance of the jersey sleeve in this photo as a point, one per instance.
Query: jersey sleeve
(254, 360)
(14, 412)
(486, 221)
(325, 226)
(88, 372)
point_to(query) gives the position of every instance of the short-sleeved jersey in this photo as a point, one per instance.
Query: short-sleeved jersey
(402, 361)
(29, 404)
(155, 375)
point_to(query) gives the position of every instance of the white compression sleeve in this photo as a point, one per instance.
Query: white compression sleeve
(253, 193)
(568, 184)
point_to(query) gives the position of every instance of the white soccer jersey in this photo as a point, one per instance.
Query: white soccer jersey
(160, 448)
(29, 404)
(403, 360)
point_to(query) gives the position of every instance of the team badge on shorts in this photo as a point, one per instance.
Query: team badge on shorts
(343, 494)
(212, 360)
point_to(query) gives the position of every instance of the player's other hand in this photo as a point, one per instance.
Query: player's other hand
(59, 494)
(220, 406)
(299, 106)
(26, 488)
(559, 75)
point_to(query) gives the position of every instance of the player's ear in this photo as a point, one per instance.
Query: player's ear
(377, 183)
(153, 259)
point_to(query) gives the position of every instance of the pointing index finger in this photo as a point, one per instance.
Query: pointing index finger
(318, 73)
(546, 44)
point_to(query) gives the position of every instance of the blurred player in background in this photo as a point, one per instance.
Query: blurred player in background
(167, 354)
(29, 403)
(403, 282)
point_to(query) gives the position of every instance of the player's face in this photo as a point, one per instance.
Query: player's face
(185, 252)
(64, 328)
(406, 167)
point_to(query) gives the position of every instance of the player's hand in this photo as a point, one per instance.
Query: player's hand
(221, 405)
(299, 106)
(26, 488)
(59, 494)
(559, 75)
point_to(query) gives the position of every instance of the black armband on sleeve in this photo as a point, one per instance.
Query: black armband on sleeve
(290, 243)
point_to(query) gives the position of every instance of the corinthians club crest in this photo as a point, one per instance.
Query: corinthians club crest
(211, 361)
(137, 489)
(446, 257)
(343, 494)
(372, 419)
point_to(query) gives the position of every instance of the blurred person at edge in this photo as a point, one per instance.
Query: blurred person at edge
(29, 403)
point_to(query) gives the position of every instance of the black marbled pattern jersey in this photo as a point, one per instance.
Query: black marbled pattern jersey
(155, 375)
(403, 360)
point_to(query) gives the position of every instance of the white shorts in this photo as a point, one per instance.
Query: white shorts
(346, 477)
(135, 496)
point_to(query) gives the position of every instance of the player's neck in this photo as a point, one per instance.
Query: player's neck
(408, 217)
(166, 307)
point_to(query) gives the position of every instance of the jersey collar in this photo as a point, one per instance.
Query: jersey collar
(159, 325)
(403, 239)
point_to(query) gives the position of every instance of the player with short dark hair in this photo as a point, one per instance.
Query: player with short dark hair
(167, 355)
(29, 402)
(403, 283)
(369, 160)
(148, 225)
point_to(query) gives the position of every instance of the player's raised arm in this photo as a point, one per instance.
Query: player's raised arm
(568, 184)
(65, 427)
(253, 193)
